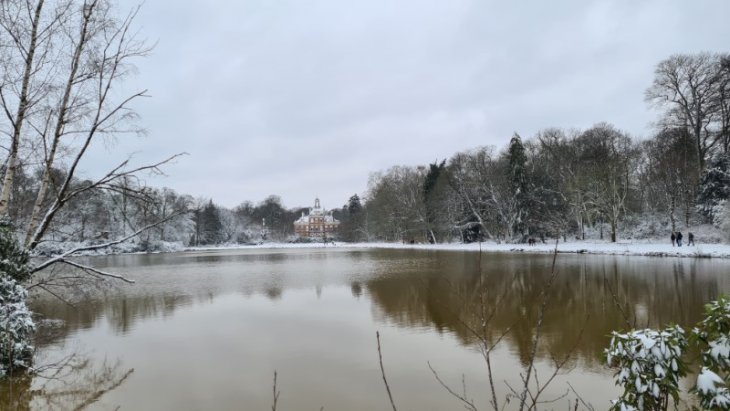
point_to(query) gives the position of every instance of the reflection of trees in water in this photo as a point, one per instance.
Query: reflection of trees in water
(120, 311)
(273, 292)
(356, 289)
(72, 384)
(447, 298)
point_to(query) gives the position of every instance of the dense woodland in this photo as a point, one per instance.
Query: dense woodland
(562, 182)
(567, 183)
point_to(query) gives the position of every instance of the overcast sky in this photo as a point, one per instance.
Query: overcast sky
(304, 98)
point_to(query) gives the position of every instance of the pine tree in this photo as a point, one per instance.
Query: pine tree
(517, 165)
(354, 206)
(714, 185)
(352, 219)
(212, 228)
(518, 178)
(435, 170)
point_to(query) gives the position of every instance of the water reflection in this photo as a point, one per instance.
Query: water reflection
(436, 290)
(303, 310)
(585, 296)
(73, 383)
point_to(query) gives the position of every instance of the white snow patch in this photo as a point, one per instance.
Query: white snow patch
(580, 247)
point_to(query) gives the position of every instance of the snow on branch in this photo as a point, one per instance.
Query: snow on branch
(62, 258)
(92, 270)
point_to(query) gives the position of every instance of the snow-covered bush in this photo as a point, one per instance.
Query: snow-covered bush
(13, 258)
(16, 327)
(650, 363)
(16, 324)
(649, 366)
(713, 335)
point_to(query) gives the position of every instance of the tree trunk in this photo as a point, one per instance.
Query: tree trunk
(672, 218)
(613, 231)
(35, 217)
(600, 227)
(12, 163)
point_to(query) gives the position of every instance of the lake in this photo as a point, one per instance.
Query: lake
(207, 330)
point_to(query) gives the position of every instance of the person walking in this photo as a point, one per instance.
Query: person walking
(673, 237)
(679, 238)
(690, 239)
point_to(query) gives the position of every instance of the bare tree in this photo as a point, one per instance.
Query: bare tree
(687, 86)
(723, 102)
(607, 157)
(670, 161)
(481, 181)
(396, 203)
(466, 173)
(64, 63)
(27, 54)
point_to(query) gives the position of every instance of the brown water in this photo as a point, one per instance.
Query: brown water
(206, 331)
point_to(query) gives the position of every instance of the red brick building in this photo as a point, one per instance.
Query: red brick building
(317, 224)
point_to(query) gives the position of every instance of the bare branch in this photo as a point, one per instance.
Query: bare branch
(382, 371)
(276, 394)
(64, 256)
(93, 270)
(468, 404)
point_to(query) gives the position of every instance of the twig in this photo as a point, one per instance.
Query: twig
(462, 397)
(558, 366)
(538, 328)
(276, 394)
(382, 371)
(93, 270)
(618, 305)
(57, 296)
(578, 397)
(98, 394)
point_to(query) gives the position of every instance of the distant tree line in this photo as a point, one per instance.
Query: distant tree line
(560, 182)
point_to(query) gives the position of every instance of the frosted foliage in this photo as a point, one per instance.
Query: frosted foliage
(721, 217)
(712, 390)
(713, 334)
(16, 327)
(649, 367)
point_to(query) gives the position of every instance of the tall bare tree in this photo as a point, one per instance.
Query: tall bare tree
(26, 60)
(723, 102)
(64, 64)
(687, 86)
(607, 156)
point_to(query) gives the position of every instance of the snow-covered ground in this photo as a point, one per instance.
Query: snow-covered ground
(638, 248)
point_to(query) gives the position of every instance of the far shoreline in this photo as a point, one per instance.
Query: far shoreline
(626, 248)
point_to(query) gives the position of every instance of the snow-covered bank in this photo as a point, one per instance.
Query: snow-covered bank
(579, 247)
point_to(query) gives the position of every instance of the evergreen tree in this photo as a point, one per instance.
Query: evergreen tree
(351, 219)
(354, 206)
(212, 228)
(13, 258)
(518, 178)
(435, 170)
(714, 185)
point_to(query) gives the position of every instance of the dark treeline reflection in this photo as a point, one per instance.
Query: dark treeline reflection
(120, 311)
(438, 290)
(586, 296)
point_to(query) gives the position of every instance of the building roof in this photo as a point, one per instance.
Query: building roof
(316, 211)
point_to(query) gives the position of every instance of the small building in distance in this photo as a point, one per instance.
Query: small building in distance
(317, 224)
